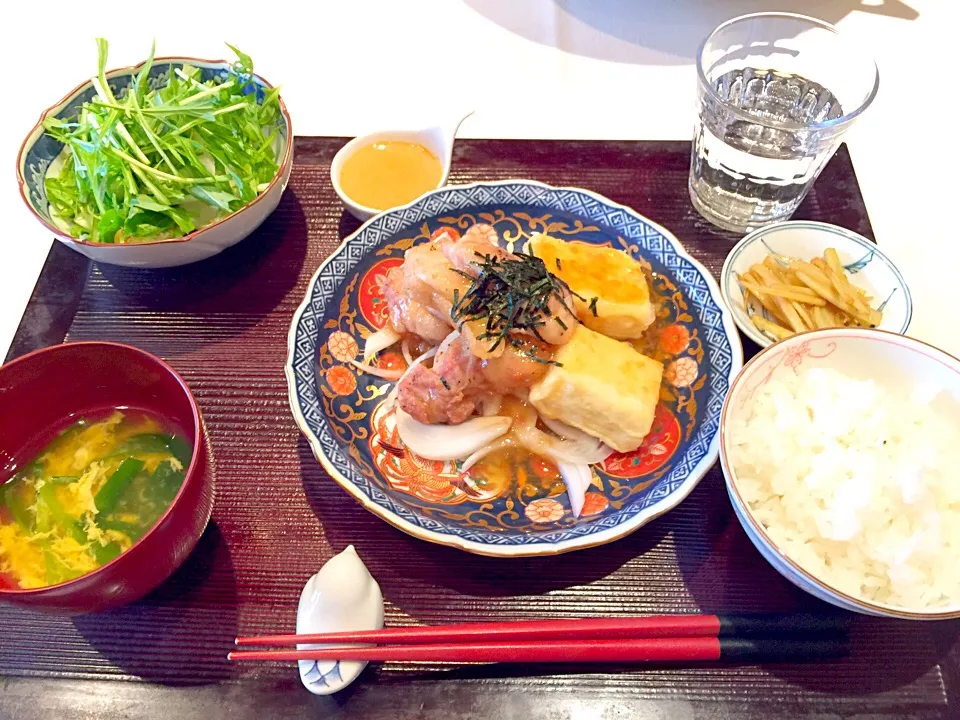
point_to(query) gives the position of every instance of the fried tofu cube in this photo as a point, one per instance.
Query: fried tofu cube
(603, 387)
(623, 306)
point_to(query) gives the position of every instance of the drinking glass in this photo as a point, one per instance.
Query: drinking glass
(776, 93)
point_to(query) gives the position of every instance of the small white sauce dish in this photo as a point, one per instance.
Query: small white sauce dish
(867, 267)
(437, 139)
(891, 361)
(342, 597)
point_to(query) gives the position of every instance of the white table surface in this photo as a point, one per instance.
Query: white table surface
(581, 69)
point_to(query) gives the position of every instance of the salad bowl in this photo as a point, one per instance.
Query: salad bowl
(40, 150)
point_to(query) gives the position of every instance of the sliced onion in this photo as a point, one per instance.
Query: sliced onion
(580, 442)
(391, 399)
(577, 478)
(568, 431)
(572, 452)
(491, 405)
(604, 450)
(559, 450)
(396, 374)
(426, 356)
(385, 373)
(405, 349)
(445, 343)
(499, 444)
(577, 452)
(379, 341)
(449, 442)
(522, 394)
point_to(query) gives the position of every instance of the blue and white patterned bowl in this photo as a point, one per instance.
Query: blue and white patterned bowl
(342, 411)
(39, 150)
(868, 268)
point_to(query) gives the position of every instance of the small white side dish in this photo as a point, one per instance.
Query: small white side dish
(866, 266)
(343, 596)
(438, 140)
(894, 362)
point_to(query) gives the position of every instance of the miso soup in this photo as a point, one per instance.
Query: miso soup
(89, 495)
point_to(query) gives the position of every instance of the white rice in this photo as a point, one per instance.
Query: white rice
(857, 483)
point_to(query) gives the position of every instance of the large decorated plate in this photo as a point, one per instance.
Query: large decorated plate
(343, 413)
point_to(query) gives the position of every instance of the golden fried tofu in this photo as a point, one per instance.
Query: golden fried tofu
(623, 307)
(603, 387)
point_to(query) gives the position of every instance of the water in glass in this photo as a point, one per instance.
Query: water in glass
(758, 145)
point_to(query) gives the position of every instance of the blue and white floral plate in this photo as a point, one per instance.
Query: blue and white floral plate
(868, 268)
(342, 411)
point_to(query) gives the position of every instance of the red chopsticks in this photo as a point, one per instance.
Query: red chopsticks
(653, 626)
(665, 638)
(691, 649)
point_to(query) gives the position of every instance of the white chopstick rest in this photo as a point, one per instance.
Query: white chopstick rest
(343, 596)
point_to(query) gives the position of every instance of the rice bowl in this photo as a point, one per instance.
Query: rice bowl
(838, 449)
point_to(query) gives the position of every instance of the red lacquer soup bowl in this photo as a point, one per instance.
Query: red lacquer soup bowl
(41, 391)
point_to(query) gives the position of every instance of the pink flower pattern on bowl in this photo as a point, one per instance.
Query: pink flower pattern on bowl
(792, 358)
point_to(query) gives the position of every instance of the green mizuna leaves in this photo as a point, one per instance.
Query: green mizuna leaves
(159, 163)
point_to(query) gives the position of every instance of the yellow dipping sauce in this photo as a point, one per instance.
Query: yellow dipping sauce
(390, 173)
